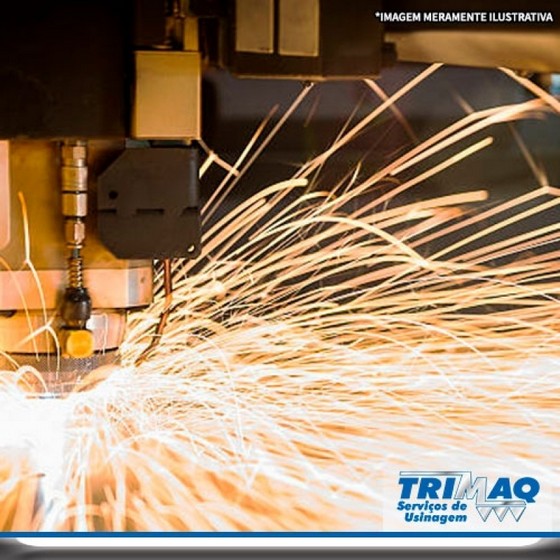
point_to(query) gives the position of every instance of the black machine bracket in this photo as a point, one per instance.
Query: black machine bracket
(148, 203)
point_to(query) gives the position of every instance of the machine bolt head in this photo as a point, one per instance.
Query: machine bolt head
(72, 153)
(75, 232)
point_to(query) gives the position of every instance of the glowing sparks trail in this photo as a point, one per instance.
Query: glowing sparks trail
(308, 352)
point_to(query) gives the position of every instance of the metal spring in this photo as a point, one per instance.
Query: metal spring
(75, 272)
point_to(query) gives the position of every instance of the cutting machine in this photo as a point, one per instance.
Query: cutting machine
(100, 114)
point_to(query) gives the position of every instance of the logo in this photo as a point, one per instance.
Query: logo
(450, 496)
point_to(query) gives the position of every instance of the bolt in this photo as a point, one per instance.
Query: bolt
(75, 232)
(72, 152)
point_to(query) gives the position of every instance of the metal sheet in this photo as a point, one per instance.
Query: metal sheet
(167, 95)
(298, 28)
(254, 26)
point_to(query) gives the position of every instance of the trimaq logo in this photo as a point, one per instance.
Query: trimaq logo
(443, 496)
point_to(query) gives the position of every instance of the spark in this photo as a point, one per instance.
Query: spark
(378, 90)
(309, 353)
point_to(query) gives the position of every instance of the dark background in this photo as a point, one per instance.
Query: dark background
(233, 109)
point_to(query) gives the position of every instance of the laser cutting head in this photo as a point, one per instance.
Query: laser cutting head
(85, 223)
(63, 295)
(91, 195)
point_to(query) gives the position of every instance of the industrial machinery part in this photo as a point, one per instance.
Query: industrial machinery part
(83, 212)
(63, 294)
(75, 311)
(330, 39)
(148, 202)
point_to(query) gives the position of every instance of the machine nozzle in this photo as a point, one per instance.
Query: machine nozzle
(61, 376)
(79, 344)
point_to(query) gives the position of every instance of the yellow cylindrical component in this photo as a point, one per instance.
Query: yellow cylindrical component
(79, 344)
